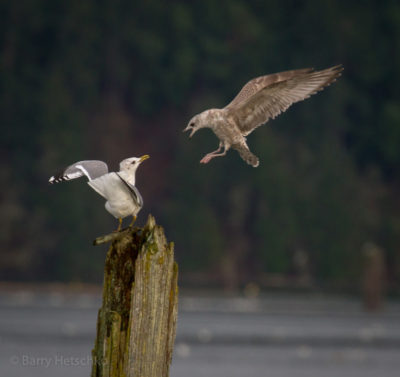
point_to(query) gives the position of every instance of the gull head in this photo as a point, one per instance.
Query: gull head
(198, 121)
(131, 164)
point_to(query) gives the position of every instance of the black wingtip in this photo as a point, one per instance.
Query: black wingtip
(57, 179)
(54, 179)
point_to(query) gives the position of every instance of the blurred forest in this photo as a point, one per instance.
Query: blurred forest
(113, 79)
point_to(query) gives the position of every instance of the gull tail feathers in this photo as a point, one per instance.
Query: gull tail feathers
(246, 155)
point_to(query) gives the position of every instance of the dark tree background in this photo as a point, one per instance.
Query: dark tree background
(112, 79)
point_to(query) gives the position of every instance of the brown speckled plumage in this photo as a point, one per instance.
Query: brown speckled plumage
(259, 100)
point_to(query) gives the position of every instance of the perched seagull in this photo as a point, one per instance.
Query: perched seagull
(118, 188)
(259, 100)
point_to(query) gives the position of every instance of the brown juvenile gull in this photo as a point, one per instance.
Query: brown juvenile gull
(118, 188)
(259, 100)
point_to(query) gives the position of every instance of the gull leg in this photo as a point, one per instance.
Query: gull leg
(133, 221)
(208, 157)
(217, 150)
(119, 224)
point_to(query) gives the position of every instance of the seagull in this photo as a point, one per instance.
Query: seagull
(118, 188)
(259, 100)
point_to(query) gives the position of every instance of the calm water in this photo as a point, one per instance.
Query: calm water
(51, 334)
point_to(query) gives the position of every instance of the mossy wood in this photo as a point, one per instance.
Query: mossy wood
(137, 322)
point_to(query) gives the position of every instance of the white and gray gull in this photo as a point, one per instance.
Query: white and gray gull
(259, 100)
(118, 188)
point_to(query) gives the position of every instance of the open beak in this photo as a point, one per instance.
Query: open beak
(144, 157)
(188, 128)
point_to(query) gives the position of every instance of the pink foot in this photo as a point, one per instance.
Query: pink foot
(205, 160)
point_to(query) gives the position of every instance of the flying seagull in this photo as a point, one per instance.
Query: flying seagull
(259, 100)
(118, 188)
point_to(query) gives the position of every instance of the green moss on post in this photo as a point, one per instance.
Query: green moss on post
(137, 322)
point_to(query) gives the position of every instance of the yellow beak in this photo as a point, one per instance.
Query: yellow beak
(144, 157)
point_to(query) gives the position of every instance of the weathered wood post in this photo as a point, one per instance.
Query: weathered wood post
(137, 321)
(374, 276)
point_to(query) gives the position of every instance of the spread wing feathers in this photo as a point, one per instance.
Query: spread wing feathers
(133, 191)
(246, 155)
(255, 85)
(91, 169)
(273, 95)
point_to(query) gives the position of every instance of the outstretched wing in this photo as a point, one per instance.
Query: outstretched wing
(133, 191)
(267, 96)
(255, 85)
(91, 169)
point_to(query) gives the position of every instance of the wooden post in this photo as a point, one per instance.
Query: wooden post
(137, 321)
(374, 276)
